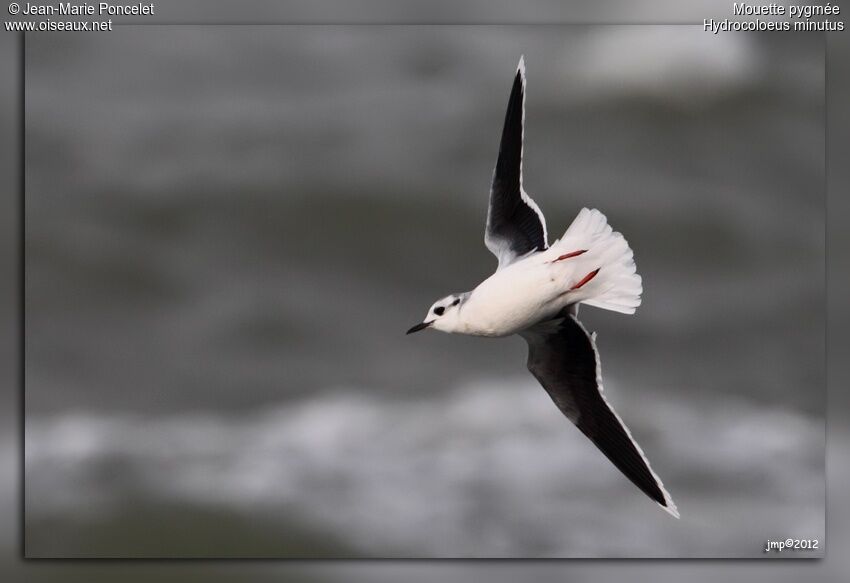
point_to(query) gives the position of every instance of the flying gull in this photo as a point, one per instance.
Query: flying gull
(536, 291)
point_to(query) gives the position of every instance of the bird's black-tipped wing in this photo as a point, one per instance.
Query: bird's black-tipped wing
(563, 357)
(515, 225)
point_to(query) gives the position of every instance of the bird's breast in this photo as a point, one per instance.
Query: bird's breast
(510, 300)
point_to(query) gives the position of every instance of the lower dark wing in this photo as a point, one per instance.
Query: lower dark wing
(563, 357)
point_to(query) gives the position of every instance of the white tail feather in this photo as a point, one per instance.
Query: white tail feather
(616, 286)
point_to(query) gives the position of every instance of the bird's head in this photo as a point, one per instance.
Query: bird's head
(444, 315)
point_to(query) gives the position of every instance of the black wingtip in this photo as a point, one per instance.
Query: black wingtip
(670, 508)
(509, 163)
(519, 78)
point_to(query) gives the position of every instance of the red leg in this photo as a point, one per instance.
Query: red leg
(568, 255)
(585, 279)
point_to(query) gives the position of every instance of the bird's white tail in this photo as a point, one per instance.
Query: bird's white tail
(616, 286)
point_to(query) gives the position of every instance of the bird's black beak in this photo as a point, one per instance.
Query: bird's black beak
(419, 327)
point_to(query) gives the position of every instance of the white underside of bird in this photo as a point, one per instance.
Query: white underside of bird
(590, 264)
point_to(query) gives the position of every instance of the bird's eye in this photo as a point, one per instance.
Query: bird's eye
(456, 302)
(439, 310)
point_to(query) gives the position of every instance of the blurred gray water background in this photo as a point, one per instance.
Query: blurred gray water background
(229, 229)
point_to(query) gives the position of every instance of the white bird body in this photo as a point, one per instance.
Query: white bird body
(512, 299)
(537, 287)
(529, 291)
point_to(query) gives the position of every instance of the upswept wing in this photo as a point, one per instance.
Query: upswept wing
(515, 224)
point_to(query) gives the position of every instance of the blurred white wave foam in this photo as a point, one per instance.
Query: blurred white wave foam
(491, 469)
